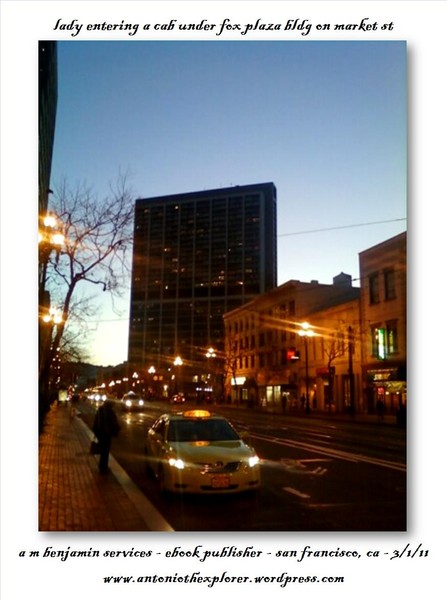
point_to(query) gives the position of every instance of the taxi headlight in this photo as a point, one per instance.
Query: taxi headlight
(177, 463)
(253, 461)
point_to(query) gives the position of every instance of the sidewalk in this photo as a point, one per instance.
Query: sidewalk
(74, 496)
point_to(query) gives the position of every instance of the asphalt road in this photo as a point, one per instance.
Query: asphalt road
(317, 474)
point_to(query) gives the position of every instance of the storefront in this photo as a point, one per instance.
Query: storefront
(386, 388)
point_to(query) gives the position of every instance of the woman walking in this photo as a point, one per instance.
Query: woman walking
(105, 427)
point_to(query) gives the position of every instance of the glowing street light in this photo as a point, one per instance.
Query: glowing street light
(211, 353)
(178, 362)
(52, 316)
(49, 237)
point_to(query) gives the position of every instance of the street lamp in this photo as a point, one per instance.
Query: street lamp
(50, 238)
(48, 321)
(152, 372)
(178, 362)
(136, 380)
(351, 371)
(52, 317)
(306, 332)
(210, 354)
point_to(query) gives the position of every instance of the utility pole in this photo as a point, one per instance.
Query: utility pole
(351, 371)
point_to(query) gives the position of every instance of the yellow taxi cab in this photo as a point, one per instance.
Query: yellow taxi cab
(200, 453)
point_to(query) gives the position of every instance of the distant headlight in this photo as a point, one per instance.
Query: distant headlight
(140, 402)
(253, 461)
(177, 463)
(129, 403)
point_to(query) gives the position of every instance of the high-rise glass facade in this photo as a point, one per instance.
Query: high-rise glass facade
(47, 116)
(197, 256)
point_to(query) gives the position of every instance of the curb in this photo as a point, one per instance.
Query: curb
(153, 519)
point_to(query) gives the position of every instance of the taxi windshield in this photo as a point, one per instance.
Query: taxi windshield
(206, 430)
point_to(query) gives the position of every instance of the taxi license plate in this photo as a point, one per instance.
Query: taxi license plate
(220, 481)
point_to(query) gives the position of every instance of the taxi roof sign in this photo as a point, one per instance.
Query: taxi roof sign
(197, 413)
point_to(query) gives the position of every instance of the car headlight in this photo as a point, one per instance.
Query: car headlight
(253, 461)
(129, 403)
(177, 463)
(140, 402)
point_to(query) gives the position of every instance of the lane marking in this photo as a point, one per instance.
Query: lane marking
(296, 493)
(319, 471)
(348, 456)
(294, 463)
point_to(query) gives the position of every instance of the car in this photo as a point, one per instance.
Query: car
(132, 401)
(198, 452)
(177, 399)
(97, 396)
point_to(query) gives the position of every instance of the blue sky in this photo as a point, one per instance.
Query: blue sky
(325, 121)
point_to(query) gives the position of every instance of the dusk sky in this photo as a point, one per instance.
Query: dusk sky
(324, 121)
(324, 118)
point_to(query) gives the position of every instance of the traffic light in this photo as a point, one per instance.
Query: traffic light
(293, 354)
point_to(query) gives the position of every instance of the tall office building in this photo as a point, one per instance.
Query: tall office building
(47, 116)
(197, 256)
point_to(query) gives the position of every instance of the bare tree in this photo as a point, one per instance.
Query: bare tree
(95, 253)
(335, 348)
(231, 359)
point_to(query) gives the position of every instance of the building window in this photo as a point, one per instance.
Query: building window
(384, 340)
(390, 284)
(391, 337)
(374, 297)
(378, 342)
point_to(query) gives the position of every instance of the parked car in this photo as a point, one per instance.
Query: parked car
(200, 452)
(132, 401)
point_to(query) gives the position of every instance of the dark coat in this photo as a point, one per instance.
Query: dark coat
(106, 423)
